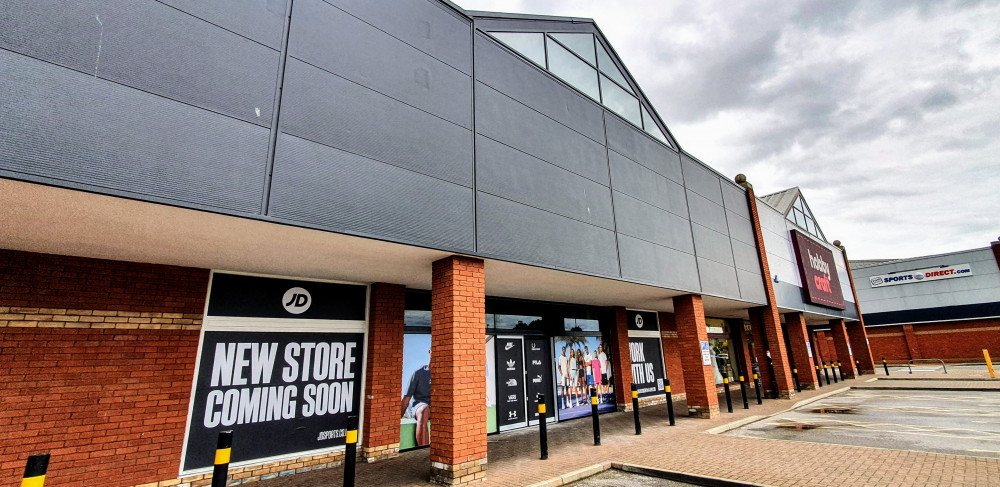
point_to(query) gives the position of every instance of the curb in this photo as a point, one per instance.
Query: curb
(573, 476)
(682, 477)
(912, 388)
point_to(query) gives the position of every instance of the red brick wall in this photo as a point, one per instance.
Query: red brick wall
(458, 370)
(840, 342)
(956, 341)
(622, 359)
(98, 358)
(384, 378)
(797, 335)
(699, 380)
(55, 281)
(671, 353)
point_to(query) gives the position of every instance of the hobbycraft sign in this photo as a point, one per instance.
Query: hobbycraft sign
(819, 273)
(921, 275)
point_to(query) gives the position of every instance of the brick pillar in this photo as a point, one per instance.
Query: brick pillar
(621, 360)
(739, 337)
(384, 376)
(672, 353)
(458, 371)
(911, 341)
(844, 351)
(699, 380)
(859, 342)
(771, 317)
(798, 337)
(759, 357)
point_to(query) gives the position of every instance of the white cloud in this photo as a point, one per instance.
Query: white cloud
(886, 114)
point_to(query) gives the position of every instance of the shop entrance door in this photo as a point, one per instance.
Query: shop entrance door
(538, 378)
(511, 405)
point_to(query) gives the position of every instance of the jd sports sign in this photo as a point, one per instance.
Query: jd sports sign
(280, 392)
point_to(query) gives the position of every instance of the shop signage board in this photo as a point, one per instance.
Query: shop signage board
(646, 352)
(921, 275)
(510, 382)
(280, 364)
(821, 285)
(706, 353)
(538, 376)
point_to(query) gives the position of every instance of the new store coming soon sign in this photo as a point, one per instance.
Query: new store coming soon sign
(921, 275)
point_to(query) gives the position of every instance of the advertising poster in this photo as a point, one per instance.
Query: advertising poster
(582, 363)
(510, 384)
(647, 365)
(539, 378)
(279, 392)
(415, 424)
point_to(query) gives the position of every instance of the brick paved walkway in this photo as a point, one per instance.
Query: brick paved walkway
(513, 456)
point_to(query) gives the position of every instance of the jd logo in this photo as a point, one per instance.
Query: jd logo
(638, 321)
(296, 300)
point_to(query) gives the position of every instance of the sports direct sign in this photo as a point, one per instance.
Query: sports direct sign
(921, 275)
(819, 275)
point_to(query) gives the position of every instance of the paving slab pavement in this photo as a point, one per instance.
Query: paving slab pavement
(687, 447)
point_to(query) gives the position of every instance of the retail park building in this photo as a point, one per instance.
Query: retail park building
(269, 217)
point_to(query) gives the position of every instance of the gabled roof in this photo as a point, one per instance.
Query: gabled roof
(793, 206)
(563, 46)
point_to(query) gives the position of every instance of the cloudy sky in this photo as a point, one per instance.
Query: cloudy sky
(886, 113)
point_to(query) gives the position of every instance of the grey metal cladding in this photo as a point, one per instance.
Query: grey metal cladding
(745, 256)
(649, 263)
(514, 175)
(69, 126)
(503, 119)
(718, 279)
(735, 199)
(361, 53)
(751, 286)
(155, 48)
(511, 231)
(330, 110)
(642, 220)
(707, 213)
(701, 180)
(643, 183)
(427, 25)
(521, 80)
(635, 144)
(740, 228)
(343, 192)
(260, 20)
(713, 245)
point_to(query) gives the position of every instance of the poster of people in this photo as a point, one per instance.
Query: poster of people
(415, 413)
(582, 363)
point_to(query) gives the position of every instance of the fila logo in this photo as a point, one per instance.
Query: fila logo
(296, 300)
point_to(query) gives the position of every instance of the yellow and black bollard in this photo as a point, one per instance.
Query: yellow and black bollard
(543, 435)
(756, 388)
(743, 392)
(857, 367)
(351, 450)
(596, 418)
(223, 449)
(885, 366)
(795, 380)
(826, 373)
(819, 378)
(635, 409)
(34, 470)
(840, 370)
(833, 371)
(670, 402)
(729, 399)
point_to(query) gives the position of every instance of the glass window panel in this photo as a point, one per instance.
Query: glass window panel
(529, 44)
(607, 66)
(417, 318)
(809, 226)
(581, 324)
(798, 204)
(517, 322)
(799, 219)
(650, 126)
(581, 44)
(490, 321)
(572, 70)
(620, 102)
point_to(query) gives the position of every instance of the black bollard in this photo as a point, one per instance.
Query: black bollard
(34, 470)
(743, 392)
(595, 417)
(223, 450)
(795, 380)
(840, 369)
(756, 388)
(833, 372)
(729, 400)
(819, 378)
(351, 452)
(635, 410)
(857, 367)
(670, 402)
(886, 366)
(826, 373)
(543, 435)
